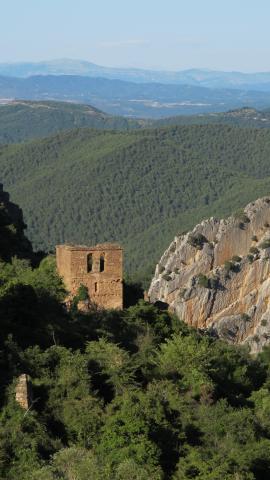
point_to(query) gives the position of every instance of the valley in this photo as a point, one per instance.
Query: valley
(139, 187)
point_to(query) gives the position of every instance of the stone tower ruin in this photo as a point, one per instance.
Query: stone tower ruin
(99, 269)
(24, 391)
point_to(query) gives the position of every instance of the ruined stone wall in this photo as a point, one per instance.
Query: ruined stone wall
(105, 287)
(24, 391)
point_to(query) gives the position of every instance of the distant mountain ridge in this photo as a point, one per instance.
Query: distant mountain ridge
(118, 97)
(196, 77)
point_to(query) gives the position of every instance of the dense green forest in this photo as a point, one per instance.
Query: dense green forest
(117, 395)
(242, 117)
(139, 187)
(25, 120)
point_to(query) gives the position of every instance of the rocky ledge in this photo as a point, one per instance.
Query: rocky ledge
(217, 276)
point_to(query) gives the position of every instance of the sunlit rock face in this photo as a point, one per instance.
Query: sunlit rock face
(218, 276)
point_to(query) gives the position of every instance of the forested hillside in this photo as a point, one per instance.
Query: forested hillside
(22, 120)
(139, 188)
(121, 395)
(242, 117)
(25, 120)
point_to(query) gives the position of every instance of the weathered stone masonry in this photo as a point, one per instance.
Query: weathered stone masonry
(99, 268)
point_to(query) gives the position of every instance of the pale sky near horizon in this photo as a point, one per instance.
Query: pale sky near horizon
(171, 34)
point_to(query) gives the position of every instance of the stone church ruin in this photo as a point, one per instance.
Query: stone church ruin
(99, 269)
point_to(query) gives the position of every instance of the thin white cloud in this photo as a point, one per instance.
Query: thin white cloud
(124, 43)
(191, 41)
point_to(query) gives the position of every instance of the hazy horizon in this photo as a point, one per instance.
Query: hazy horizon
(66, 59)
(173, 36)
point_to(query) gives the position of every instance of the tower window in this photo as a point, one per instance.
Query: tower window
(89, 262)
(96, 287)
(101, 263)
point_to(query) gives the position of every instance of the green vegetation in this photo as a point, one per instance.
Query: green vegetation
(265, 244)
(138, 187)
(119, 395)
(25, 120)
(254, 250)
(197, 240)
(236, 259)
(203, 280)
(123, 395)
(250, 258)
(231, 266)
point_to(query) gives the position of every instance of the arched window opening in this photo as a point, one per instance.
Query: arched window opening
(89, 262)
(101, 263)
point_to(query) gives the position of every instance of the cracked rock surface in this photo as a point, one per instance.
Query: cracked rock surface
(217, 276)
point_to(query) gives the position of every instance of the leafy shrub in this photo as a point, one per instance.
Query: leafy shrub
(266, 225)
(236, 259)
(245, 317)
(176, 270)
(230, 266)
(203, 281)
(250, 258)
(254, 250)
(254, 238)
(264, 322)
(213, 283)
(82, 293)
(241, 216)
(197, 240)
(265, 244)
(167, 277)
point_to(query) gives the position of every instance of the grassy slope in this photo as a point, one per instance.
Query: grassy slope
(138, 187)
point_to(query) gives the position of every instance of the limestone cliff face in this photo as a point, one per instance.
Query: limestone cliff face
(218, 276)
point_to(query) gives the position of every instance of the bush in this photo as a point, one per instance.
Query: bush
(167, 277)
(254, 250)
(264, 322)
(213, 283)
(265, 244)
(203, 281)
(230, 266)
(250, 258)
(245, 317)
(254, 238)
(82, 293)
(241, 216)
(236, 259)
(197, 240)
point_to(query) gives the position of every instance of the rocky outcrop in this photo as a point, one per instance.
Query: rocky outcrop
(218, 276)
(12, 239)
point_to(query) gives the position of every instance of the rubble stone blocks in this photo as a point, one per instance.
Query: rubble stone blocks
(24, 391)
(98, 268)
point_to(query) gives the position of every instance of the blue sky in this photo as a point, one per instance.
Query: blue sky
(165, 34)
